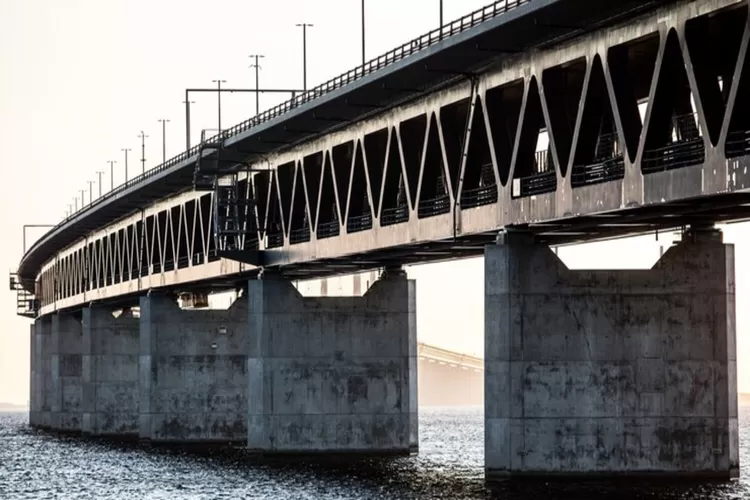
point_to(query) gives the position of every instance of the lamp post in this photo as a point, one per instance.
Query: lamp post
(163, 122)
(441, 13)
(187, 102)
(125, 150)
(26, 226)
(304, 27)
(143, 152)
(218, 83)
(257, 80)
(112, 174)
(75, 201)
(91, 192)
(100, 173)
(363, 32)
(83, 202)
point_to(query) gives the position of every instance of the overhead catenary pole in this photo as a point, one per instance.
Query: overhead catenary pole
(257, 80)
(218, 83)
(143, 137)
(163, 139)
(125, 150)
(304, 27)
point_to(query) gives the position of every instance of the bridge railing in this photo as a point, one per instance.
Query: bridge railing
(409, 48)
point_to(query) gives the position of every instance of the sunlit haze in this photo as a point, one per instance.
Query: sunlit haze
(80, 79)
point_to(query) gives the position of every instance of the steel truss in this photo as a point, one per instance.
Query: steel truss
(636, 127)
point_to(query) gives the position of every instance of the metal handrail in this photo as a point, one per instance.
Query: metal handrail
(394, 55)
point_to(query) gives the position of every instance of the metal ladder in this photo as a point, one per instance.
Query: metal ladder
(26, 304)
(232, 210)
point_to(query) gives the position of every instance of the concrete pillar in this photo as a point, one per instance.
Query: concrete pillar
(610, 372)
(44, 390)
(192, 373)
(35, 388)
(110, 373)
(67, 389)
(332, 374)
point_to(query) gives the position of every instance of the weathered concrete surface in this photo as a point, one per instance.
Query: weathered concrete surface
(610, 372)
(65, 359)
(192, 373)
(332, 374)
(43, 361)
(35, 385)
(110, 373)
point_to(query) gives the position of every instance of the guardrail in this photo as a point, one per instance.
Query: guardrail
(399, 53)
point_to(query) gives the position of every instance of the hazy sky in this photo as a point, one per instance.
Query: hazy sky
(79, 80)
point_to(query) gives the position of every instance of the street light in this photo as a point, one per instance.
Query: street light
(125, 150)
(83, 202)
(163, 140)
(112, 174)
(257, 80)
(91, 192)
(143, 152)
(100, 173)
(363, 32)
(441, 13)
(218, 83)
(304, 53)
(187, 102)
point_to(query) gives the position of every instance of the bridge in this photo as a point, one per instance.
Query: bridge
(524, 124)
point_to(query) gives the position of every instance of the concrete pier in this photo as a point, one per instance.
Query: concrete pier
(333, 374)
(65, 358)
(610, 372)
(192, 373)
(110, 373)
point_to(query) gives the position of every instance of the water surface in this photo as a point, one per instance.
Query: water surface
(35, 465)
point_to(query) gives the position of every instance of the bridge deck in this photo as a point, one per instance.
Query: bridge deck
(436, 59)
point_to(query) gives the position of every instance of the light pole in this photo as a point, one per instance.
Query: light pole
(75, 200)
(125, 150)
(100, 173)
(163, 122)
(143, 152)
(70, 209)
(27, 226)
(112, 174)
(91, 192)
(218, 83)
(83, 202)
(257, 80)
(363, 32)
(187, 102)
(441, 13)
(304, 53)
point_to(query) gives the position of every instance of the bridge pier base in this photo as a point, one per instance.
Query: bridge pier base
(610, 372)
(36, 392)
(110, 373)
(193, 381)
(332, 374)
(66, 363)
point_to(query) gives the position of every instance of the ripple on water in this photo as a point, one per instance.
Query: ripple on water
(449, 466)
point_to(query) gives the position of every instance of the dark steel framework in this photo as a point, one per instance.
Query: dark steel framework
(651, 132)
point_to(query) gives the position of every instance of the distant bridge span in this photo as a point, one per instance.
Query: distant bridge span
(525, 113)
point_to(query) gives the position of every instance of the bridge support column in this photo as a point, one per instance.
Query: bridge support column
(333, 374)
(610, 372)
(193, 381)
(43, 371)
(66, 358)
(36, 394)
(110, 373)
